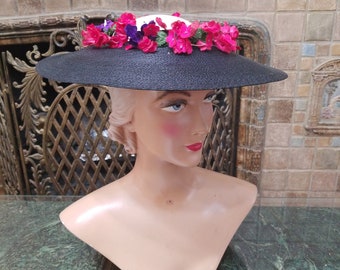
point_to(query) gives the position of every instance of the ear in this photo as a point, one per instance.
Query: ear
(130, 127)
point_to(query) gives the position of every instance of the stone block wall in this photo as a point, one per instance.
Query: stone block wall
(297, 163)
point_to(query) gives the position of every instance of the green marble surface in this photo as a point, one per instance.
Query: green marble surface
(278, 238)
(289, 238)
(32, 237)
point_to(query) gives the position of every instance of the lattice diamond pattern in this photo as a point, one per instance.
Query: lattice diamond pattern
(217, 148)
(80, 157)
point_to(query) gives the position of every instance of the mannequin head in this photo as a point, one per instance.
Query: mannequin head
(180, 122)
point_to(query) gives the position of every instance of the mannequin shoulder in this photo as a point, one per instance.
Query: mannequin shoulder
(93, 205)
(230, 187)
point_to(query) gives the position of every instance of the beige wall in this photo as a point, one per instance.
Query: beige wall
(304, 34)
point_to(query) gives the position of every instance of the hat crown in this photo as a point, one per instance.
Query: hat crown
(167, 19)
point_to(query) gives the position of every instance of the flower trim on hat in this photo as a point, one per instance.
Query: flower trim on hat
(181, 37)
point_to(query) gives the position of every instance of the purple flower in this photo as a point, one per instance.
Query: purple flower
(105, 26)
(134, 35)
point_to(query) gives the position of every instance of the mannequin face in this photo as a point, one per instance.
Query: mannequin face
(171, 126)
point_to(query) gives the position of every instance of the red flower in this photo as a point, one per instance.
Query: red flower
(92, 36)
(147, 45)
(127, 18)
(117, 41)
(150, 30)
(160, 22)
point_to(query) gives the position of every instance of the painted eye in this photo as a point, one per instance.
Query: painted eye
(210, 97)
(175, 107)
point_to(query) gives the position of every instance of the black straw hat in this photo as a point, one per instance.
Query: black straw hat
(160, 70)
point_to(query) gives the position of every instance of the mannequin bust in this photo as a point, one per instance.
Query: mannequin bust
(167, 213)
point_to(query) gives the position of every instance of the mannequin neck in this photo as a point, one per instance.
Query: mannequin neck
(163, 181)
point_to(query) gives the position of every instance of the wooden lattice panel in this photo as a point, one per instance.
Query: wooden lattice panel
(218, 147)
(79, 155)
(9, 165)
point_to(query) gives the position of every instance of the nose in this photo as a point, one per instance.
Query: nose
(202, 120)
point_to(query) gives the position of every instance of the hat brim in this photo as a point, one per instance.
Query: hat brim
(162, 70)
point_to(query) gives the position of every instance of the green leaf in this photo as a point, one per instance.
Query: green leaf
(161, 36)
(199, 35)
(111, 31)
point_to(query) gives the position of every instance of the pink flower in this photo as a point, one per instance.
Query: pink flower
(231, 30)
(92, 36)
(147, 45)
(128, 47)
(179, 45)
(207, 45)
(179, 37)
(211, 27)
(181, 29)
(234, 32)
(225, 43)
(183, 46)
(176, 14)
(194, 26)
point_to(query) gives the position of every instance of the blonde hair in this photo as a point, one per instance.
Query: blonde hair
(122, 108)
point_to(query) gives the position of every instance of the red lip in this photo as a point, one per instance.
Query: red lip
(195, 147)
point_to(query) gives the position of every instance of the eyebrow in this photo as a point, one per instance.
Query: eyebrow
(166, 93)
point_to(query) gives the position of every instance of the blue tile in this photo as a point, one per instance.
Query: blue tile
(308, 49)
(335, 142)
(297, 141)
